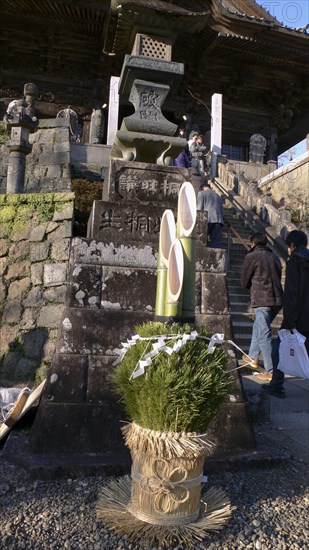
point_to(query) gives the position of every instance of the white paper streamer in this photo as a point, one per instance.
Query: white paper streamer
(215, 339)
(159, 346)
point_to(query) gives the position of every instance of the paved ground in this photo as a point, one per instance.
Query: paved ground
(288, 417)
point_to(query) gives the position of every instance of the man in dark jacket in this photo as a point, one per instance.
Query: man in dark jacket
(295, 301)
(262, 274)
(198, 151)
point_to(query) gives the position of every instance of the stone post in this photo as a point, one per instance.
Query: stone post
(96, 126)
(113, 109)
(20, 119)
(216, 131)
(19, 147)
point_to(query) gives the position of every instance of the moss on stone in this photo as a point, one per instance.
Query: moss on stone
(7, 214)
(64, 197)
(41, 372)
(16, 199)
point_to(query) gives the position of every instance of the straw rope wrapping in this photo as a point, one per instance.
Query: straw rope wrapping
(166, 444)
(215, 511)
(124, 508)
(164, 486)
(161, 498)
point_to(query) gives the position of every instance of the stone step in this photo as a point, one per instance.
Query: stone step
(240, 317)
(237, 288)
(239, 298)
(239, 308)
(235, 281)
(243, 329)
(235, 275)
(236, 261)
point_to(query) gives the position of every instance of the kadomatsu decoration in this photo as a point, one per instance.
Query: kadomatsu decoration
(171, 405)
(172, 383)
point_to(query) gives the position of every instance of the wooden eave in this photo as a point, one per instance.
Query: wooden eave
(165, 19)
(264, 50)
(83, 18)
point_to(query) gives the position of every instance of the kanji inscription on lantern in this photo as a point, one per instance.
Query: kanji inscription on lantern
(149, 99)
(149, 115)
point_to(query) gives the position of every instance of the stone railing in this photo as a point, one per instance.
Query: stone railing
(230, 171)
(35, 237)
(255, 207)
(288, 186)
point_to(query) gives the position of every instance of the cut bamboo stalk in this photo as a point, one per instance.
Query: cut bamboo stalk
(175, 274)
(167, 236)
(186, 233)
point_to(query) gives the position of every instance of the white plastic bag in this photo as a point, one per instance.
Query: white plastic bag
(293, 356)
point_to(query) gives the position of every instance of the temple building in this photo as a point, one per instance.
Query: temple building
(70, 49)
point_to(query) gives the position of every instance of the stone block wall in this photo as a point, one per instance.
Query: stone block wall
(111, 289)
(35, 237)
(48, 164)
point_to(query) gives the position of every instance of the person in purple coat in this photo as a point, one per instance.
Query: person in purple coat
(182, 161)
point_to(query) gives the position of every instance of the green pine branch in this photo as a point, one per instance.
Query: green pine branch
(181, 392)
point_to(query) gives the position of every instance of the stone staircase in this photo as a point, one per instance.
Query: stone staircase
(239, 297)
(241, 313)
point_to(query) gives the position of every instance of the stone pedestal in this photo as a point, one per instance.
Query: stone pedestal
(112, 288)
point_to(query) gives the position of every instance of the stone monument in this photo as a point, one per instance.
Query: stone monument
(20, 119)
(96, 125)
(257, 148)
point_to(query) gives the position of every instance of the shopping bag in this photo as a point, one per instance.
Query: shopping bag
(293, 356)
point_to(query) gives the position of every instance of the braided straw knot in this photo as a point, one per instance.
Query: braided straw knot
(170, 489)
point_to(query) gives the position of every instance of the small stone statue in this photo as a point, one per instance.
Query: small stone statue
(96, 125)
(20, 112)
(257, 148)
(73, 120)
(29, 97)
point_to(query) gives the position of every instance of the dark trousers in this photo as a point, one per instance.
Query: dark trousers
(278, 376)
(214, 235)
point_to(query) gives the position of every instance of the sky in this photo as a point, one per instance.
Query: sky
(292, 13)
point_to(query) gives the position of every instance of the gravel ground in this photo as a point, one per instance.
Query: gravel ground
(271, 511)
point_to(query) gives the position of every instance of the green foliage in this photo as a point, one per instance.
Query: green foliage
(85, 193)
(180, 392)
(7, 214)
